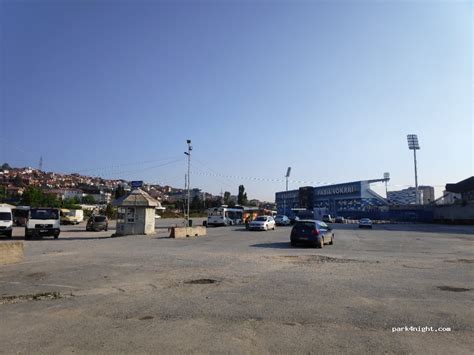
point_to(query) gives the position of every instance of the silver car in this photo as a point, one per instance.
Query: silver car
(365, 223)
(263, 223)
(282, 220)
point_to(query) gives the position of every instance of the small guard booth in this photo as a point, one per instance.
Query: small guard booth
(135, 213)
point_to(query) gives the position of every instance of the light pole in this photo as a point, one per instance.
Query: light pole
(386, 177)
(414, 145)
(188, 153)
(288, 171)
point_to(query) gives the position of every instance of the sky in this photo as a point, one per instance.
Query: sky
(115, 88)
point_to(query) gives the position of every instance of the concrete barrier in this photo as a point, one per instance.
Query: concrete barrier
(185, 232)
(11, 252)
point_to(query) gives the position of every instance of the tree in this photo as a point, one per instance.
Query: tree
(72, 203)
(226, 197)
(110, 211)
(5, 166)
(196, 204)
(18, 181)
(119, 192)
(3, 193)
(35, 197)
(88, 200)
(242, 197)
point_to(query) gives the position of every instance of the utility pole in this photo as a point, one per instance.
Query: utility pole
(188, 153)
(41, 164)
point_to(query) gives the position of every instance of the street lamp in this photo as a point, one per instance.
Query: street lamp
(188, 153)
(414, 145)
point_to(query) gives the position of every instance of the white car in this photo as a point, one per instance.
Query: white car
(365, 223)
(262, 223)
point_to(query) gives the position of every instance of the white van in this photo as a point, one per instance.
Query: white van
(43, 221)
(6, 221)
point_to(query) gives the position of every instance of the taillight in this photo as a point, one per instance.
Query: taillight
(315, 232)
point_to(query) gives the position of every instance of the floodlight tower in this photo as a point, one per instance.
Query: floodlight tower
(386, 177)
(288, 171)
(414, 145)
(188, 153)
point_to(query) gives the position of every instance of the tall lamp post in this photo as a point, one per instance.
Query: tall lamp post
(288, 171)
(188, 153)
(414, 145)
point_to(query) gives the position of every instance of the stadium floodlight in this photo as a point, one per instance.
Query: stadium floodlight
(188, 153)
(414, 145)
(386, 177)
(288, 171)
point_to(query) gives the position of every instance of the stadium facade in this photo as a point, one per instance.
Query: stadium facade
(339, 199)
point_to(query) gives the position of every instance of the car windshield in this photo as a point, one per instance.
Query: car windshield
(44, 213)
(278, 217)
(5, 216)
(261, 219)
(99, 219)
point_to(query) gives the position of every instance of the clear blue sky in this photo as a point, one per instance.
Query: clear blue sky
(330, 88)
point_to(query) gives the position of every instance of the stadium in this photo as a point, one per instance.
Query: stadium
(341, 199)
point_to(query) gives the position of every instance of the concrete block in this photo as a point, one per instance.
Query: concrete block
(11, 252)
(185, 232)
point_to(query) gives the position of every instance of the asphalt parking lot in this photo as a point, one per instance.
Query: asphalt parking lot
(239, 291)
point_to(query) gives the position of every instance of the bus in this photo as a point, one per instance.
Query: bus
(224, 216)
(227, 216)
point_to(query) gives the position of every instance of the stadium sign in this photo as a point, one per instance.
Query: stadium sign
(337, 190)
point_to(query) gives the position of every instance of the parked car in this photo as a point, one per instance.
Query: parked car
(97, 223)
(43, 221)
(340, 219)
(312, 232)
(282, 220)
(365, 223)
(262, 223)
(294, 219)
(6, 221)
(327, 218)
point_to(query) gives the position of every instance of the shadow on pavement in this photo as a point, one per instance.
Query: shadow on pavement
(275, 245)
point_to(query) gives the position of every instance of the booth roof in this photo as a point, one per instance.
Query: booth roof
(137, 197)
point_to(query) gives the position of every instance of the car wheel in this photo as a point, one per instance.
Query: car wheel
(320, 244)
(273, 227)
(293, 243)
(9, 234)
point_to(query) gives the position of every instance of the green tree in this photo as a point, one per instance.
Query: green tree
(196, 204)
(88, 200)
(35, 197)
(111, 211)
(242, 197)
(226, 198)
(18, 181)
(72, 203)
(3, 193)
(119, 192)
(5, 166)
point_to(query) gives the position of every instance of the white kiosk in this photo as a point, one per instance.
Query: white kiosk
(136, 213)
